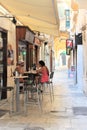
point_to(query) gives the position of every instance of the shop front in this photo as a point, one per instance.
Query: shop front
(3, 62)
(37, 46)
(24, 46)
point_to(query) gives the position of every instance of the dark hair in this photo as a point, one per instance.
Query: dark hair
(41, 62)
(20, 63)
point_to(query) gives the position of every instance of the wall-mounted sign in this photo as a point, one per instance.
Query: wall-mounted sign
(69, 46)
(67, 24)
(29, 36)
(78, 39)
(68, 50)
(67, 15)
(37, 41)
(69, 43)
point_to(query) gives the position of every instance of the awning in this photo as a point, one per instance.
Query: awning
(39, 15)
(82, 4)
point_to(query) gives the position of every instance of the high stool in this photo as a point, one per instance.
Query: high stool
(11, 89)
(32, 95)
(45, 89)
(48, 85)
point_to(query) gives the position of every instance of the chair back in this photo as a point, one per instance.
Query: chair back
(51, 75)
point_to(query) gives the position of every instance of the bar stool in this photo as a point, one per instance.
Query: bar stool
(10, 89)
(32, 95)
(50, 82)
(48, 85)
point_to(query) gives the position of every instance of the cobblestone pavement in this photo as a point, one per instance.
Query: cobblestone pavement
(68, 111)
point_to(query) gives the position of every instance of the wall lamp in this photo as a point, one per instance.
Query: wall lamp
(13, 18)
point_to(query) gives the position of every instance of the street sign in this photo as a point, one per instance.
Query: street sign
(67, 14)
(69, 43)
(69, 46)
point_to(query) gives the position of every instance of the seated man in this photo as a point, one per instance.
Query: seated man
(20, 69)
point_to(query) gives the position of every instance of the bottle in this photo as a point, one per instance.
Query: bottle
(1, 82)
(1, 41)
(16, 73)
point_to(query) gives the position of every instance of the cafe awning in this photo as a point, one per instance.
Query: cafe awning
(82, 4)
(39, 15)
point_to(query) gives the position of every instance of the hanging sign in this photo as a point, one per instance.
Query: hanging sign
(68, 50)
(67, 15)
(69, 46)
(67, 24)
(69, 43)
(29, 36)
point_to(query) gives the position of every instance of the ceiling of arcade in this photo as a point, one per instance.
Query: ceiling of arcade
(38, 15)
(44, 16)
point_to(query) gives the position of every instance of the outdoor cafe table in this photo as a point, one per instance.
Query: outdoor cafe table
(17, 91)
(32, 74)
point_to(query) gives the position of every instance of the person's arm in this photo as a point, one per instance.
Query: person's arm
(39, 70)
(21, 70)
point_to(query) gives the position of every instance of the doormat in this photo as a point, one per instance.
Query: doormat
(34, 128)
(80, 111)
(3, 112)
(54, 111)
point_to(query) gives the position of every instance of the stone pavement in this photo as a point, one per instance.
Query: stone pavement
(68, 111)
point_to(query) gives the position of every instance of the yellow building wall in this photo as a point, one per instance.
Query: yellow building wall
(7, 24)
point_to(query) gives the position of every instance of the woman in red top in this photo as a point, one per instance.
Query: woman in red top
(43, 71)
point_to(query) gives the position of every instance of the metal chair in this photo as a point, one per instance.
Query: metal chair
(10, 89)
(32, 94)
(50, 82)
(48, 85)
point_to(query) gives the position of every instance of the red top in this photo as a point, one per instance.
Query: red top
(44, 74)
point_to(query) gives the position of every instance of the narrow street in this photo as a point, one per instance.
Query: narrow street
(68, 111)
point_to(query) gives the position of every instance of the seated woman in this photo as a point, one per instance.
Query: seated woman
(43, 70)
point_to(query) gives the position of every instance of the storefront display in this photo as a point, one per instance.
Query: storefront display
(24, 45)
(3, 63)
(10, 55)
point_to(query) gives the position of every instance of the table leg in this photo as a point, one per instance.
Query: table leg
(17, 96)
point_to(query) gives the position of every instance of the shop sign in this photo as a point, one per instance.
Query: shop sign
(37, 42)
(73, 72)
(67, 15)
(69, 46)
(69, 43)
(29, 36)
(68, 50)
(67, 24)
(78, 39)
(73, 68)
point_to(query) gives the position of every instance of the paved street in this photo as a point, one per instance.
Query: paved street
(68, 111)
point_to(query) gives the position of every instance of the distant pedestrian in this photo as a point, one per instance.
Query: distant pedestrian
(69, 67)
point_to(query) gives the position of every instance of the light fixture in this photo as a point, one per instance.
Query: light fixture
(13, 18)
(6, 14)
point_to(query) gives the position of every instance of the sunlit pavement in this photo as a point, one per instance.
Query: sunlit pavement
(68, 111)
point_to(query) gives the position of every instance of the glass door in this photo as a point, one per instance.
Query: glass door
(22, 51)
(3, 63)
